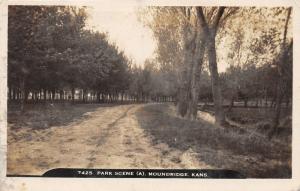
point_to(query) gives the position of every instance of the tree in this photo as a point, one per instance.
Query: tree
(210, 32)
(195, 32)
(284, 56)
(193, 54)
(50, 52)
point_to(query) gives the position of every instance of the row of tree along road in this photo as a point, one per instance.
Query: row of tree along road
(52, 55)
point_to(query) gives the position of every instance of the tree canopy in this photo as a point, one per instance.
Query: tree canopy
(50, 49)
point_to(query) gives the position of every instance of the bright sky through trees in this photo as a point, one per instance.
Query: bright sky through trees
(136, 40)
(124, 29)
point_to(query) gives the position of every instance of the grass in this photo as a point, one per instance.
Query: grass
(219, 147)
(41, 116)
(259, 121)
(255, 115)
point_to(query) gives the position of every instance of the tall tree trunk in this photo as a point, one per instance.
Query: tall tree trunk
(189, 37)
(231, 103)
(23, 94)
(210, 33)
(279, 89)
(216, 88)
(98, 97)
(45, 94)
(83, 96)
(61, 95)
(196, 70)
(14, 94)
(246, 102)
(19, 96)
(266, 98)
(73, 94)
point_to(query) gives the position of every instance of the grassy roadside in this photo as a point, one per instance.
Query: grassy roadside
(42, 116)
(222, 148)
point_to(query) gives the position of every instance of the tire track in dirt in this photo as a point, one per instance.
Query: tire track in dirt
(111, 137)
(103, 137)
(120, 118)
(68, 146)
(129, 146)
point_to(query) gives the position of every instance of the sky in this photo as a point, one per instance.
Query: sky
(124, 29)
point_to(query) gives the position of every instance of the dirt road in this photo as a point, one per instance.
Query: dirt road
(110, 137)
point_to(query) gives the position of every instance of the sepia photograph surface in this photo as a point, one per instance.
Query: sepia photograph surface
(150, 87)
